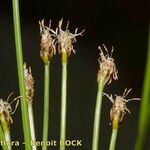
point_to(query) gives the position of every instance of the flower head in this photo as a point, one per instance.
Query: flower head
(47, 42)
(119, 107)
(66, 39)
(6, 109)
(29, 83)
(107, 68)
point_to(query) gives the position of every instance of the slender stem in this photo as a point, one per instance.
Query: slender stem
(2, 138)
(8, 139)
(115, 127)
(46, 104)
(97, 115)
(1, 133)
(113, 139)
(31, 121)
(6, 132)
(144, 119)
(63, 101)
(19, 55)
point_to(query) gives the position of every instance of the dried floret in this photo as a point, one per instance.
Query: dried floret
(47, 42)
(66, 39)
(29, 83)
(6, 109)
(119, 107)
(107, 68)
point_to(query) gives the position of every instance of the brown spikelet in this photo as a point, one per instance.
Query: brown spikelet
(107, 68)
(66, 39)
(119, 107)
(6, 109)
(29, 83)
(47, 43)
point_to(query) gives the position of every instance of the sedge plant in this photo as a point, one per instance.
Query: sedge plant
(19, 57)
(46, 53)
(117, 112)
(6, 120)
(29, 86)
(65, 40)
(107, 71)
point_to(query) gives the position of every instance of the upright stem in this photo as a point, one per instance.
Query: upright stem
(46, 104)
(8, 139)
(2, 138)
(6, 132)
(63, 101)
(113, 139)
(19, 55)
(115, 127)
(97, 115)
(1, 133)
(145, 103)
(31, 121)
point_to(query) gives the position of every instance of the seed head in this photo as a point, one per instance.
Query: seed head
(119, 107)
(47, 42)
(107, 68)
(66, 39)
(6, 109)
(29, 83)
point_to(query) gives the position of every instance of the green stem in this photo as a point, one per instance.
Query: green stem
(63, 101)
(46, 104)
(97, 115)
(145, 103)
(31, 121)
(2, 138)
(113, 139)
(1, 133)
(6, 132)
(19, 56)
